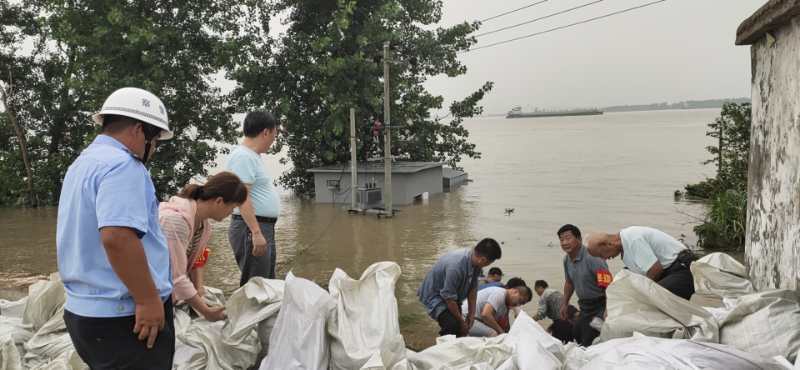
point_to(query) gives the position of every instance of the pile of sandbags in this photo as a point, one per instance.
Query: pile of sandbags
(296, 324)
(354, 326)
(765, 323)
(33, 334)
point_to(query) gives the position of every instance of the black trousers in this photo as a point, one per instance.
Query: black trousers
(109, 343)
(590, 308)
(677, 278)
(448, 324)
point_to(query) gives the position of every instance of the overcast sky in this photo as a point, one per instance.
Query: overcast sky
(672, 51)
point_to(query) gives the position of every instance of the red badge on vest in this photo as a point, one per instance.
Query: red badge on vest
(604, 278)
(202, 258)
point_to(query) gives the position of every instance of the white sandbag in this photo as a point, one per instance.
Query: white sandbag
(638, 304)
(45, 298)
(365, 331)
(264, 330)
(50, 343)
(13, 309)
(767, 323)
(67, 360)
(256, 301)
(642, 352)
(208, 351)
(720, 275)
(214, 296)
(10, 358)
(533, 348)
(462, 353)
(299, 339)
(13, 327)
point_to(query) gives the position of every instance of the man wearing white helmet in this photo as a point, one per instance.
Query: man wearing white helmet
(112, 257)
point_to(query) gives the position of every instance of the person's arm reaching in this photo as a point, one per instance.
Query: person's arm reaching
(249, 215)
(127, 258)
(655, 271)
(449, 293)
(471, 298)
(487, 317)
(568, 290)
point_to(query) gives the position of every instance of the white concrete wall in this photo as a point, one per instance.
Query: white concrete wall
(772, 247)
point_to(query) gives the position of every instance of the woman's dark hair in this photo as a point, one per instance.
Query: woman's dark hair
(224, 184)
(540, 284)
(515, 282)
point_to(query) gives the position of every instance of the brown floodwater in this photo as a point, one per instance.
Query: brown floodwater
(598, 172)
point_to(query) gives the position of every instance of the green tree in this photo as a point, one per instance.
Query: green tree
(330, 60)
(724, 225)
(84, 50)
(731, 131)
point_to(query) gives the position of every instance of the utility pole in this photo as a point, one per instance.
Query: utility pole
(387, 137)
(353, 166)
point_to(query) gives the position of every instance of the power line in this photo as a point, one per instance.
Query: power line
(513, 11)
(563, 27)
(539, 19)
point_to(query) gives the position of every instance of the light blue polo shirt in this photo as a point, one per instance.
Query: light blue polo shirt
(246, 164)
(106, 186)
(643, 246)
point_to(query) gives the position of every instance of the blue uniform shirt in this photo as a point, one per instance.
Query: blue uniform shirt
(106, 186)
(452, 277)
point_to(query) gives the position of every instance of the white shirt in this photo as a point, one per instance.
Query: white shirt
(643, 246)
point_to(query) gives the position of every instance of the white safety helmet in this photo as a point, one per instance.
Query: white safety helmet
(138, 104)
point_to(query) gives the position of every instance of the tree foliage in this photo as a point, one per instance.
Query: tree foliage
(66, 57)
(330, 59)
(724, 226)
(60, 59)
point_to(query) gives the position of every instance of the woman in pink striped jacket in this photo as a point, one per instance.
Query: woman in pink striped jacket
(184, 222)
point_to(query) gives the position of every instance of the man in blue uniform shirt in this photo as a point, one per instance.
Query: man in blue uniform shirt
(112, 257)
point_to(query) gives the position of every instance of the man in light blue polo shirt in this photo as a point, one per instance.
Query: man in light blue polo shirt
(252, 229)
(652, 253)
(112, 257)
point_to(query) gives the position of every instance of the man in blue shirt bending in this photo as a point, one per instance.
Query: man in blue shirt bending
(452, 279)
(112, 257)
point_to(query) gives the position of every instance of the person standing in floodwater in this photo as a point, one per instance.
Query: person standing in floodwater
(112, 256)
(453, 279)
(252, 229)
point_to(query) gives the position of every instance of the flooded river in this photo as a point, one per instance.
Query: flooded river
(598, 172)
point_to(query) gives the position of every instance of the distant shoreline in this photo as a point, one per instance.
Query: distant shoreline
(689, 104)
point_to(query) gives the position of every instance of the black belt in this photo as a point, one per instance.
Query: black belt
(682, 262)
(261, 219)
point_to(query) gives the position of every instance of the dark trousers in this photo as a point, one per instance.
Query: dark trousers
(109, 343)
(590, 308)
(448, 324)
(677, 278)
(241, 240)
